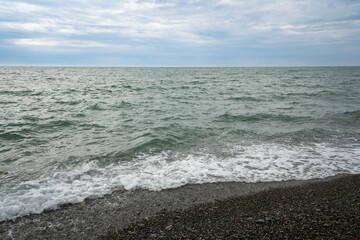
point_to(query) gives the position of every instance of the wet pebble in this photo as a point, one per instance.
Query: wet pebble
(260, 221)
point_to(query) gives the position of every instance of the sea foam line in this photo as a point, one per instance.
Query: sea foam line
(258, 162)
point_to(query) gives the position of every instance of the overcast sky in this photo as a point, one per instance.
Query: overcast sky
(180, 33)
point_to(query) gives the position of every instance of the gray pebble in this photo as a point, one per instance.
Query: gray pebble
(260, 221)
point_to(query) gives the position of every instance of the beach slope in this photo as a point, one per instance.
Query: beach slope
(313, 209)
(323, 210)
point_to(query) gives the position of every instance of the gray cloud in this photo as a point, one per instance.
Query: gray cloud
(204, 31)
(265, 22)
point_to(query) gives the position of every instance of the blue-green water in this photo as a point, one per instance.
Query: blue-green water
(71, 133)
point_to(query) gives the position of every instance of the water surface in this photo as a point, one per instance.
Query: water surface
(71, 133)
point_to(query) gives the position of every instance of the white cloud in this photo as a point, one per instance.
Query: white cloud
(39, 42)
(193, 22)
(39, 27)
(19, 7)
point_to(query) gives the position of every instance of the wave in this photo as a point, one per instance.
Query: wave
(71, 103)
(312, 94)
(92, 131)
(353, 114)
(96, 107)
(7, 102)
(227, 117)
(245, 99)
(123, 104)
(171, 169)
(315, 135)
(133, 88)
(348, 119)
(23, 130)
(153, 140)
(17, 93)
(11, 136)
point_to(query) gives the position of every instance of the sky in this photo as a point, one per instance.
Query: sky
(180, 33)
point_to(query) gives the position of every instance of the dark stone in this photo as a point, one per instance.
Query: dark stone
(260, 221)
(191, 230)
(292, 211)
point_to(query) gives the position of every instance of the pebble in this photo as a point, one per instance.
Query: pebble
(260, 221)
(191, 230)
(275, 214)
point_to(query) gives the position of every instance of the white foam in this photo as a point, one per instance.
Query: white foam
(259, 162)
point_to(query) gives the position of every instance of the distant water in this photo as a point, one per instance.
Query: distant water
(71, 133)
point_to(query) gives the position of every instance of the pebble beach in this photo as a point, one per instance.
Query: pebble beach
(326, 210)
(313, 209)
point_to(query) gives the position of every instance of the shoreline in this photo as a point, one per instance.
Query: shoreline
(321, 210)
(112, 213)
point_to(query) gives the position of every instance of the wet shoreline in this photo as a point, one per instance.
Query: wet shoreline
(321, 210)
(114, 212)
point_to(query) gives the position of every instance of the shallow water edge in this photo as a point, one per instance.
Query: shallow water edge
(94, 217)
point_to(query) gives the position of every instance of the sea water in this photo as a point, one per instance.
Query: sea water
(67, 134)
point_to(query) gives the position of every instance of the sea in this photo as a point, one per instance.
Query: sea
(71, 133)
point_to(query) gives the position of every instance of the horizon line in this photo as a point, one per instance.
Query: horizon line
(179, 66)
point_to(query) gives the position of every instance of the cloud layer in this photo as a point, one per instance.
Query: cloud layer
(227, 31)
